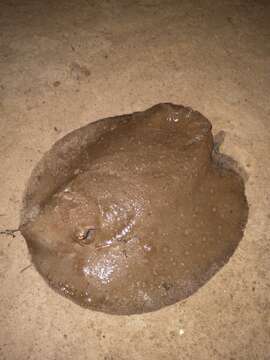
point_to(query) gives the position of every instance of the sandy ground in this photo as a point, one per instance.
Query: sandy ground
(64, 64)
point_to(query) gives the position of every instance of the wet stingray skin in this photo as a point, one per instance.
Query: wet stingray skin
(130, 214)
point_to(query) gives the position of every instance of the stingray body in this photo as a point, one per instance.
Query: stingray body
(130, 213)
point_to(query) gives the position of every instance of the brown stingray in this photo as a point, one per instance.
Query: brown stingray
(129, 214)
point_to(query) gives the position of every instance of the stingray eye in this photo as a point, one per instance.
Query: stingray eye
(85, 236)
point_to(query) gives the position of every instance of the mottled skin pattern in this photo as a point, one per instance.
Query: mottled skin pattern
(130, 214)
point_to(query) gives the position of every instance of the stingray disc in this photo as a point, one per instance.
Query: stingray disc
(129, 214)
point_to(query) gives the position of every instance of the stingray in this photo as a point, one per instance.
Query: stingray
(132, 213)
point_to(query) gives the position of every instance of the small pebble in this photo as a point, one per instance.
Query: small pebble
(181, 332)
